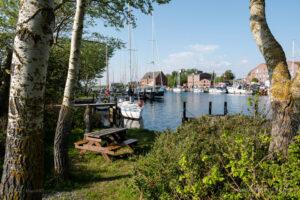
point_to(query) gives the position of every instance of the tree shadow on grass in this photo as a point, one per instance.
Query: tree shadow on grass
(92, 168)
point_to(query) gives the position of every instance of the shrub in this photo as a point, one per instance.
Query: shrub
(218, 158)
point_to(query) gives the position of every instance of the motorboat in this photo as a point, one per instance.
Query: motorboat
(217, 90)
(198, 90)
(238, 90)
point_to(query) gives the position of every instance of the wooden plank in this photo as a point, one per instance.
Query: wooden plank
(129, 141)
(92, 139)
(105, 132)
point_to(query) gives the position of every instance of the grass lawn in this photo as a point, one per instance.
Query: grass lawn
(94, 178)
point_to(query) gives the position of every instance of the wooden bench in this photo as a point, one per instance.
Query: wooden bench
(114, 139)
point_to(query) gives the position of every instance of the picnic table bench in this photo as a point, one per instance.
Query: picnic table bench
(108, 142)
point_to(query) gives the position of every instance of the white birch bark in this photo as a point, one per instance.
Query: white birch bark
(62, 129)
(22, 176)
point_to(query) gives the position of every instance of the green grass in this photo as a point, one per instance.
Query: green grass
(94, 178)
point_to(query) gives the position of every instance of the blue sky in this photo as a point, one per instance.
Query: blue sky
(211, 35)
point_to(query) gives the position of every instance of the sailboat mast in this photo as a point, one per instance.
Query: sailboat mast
(153, 51)
(107, 69)
(130, 45)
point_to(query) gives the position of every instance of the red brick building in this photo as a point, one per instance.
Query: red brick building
(261, 72)
(201, 80)
(160, 79)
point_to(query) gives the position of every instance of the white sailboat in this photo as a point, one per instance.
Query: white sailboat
(130, 109)
(178, 88)
(159, 91)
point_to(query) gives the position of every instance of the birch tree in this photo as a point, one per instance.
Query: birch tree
(23, 164)
(63, 123)
(285, 92)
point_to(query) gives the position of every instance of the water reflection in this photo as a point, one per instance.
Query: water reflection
(128, 123)
(167, 114)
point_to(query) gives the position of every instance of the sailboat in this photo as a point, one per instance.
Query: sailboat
(130, 109)
(178, 88)
(159, 91)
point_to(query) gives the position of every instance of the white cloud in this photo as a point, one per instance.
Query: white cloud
(203, 57)
(244, 61)
(203, 48)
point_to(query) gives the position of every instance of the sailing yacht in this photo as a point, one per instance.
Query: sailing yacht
(131, 109)
(159, 91)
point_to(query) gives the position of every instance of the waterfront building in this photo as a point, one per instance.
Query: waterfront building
(261, 73)
(159, 77)
(199, 80)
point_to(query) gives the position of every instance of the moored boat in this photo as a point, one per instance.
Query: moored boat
(198, 90)
(131, 110)
(177, 90)
(217, 91)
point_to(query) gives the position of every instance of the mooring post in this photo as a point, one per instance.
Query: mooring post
(184, 118)
(225, 108)
(88, 118)
(209, 108)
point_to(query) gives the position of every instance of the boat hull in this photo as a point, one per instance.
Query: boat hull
(177, 90)
(216, 91)
(130, 110)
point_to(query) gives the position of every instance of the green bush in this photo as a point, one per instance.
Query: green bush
(218, 158)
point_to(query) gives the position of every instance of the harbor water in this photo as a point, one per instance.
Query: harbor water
(167, 113)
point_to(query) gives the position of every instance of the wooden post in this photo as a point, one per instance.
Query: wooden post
(210, 108)
(88, 118)
(111, 117)
(184, 112)
(225, 108)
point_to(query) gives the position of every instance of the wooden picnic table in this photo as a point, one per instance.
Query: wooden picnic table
(108, 142)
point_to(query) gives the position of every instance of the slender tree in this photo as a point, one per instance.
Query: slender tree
(63, 123)
(23, 164)
(285, 92)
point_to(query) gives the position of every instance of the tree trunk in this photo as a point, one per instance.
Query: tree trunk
(64, 119)
(4, 86)
(22, 176)
(284, 117)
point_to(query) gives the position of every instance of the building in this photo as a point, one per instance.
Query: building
(160, 79)
(200, 80)
(261, 73)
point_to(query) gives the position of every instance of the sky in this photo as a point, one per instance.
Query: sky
(210, 35)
